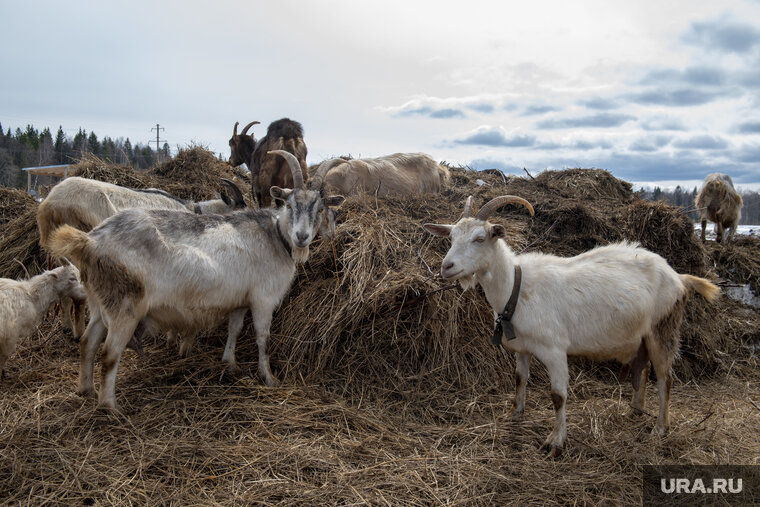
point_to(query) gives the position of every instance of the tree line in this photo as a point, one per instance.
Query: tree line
(32, 148)
(685, 198)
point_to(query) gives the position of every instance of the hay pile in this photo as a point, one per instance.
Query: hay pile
(19, 238)
(392, 392)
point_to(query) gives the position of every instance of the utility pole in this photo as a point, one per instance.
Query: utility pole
(158, 128)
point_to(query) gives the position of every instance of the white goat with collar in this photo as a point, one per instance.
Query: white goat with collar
(618, 301)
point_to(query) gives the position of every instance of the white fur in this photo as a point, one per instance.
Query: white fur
(600, 304)
(23, 304)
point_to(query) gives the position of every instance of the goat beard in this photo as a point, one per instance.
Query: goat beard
(468, 282)
(300, 255)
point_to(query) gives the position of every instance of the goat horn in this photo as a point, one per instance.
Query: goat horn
(295, 166)
(234, 130)
(324, 167)
(467, 213)
(245, 129)
(496, 203)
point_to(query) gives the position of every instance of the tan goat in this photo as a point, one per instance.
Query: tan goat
(720, 203)
(400, 173)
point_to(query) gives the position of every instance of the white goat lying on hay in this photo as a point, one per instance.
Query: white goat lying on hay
(23, 304)
(617, 302)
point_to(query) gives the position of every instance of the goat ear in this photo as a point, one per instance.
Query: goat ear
(280, 193)
(440, 230)
(498, 231)
(334, 201)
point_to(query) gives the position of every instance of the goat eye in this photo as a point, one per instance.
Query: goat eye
(478, 240)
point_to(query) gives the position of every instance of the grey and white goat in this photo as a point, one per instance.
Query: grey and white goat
(183, 271)
(84, 203)
(23, 304)
(618, 302)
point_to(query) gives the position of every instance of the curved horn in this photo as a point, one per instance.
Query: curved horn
(295, 166)
(497, 202)
(244, 132)
(234, 131)
(324, 167)
(467, 213)
(237, 195)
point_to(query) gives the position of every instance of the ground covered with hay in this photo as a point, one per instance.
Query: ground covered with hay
(391, 391)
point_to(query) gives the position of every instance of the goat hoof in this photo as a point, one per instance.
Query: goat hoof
(553, 451)
(513, 414)
(86, 393)
(659, 431)
(272, 382)
(232, 369)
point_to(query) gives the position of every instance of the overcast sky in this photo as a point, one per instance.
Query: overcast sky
(653, 91)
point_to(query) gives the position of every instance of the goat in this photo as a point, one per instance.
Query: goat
(242, 145)
(23, 304)
(85, 203)
(720, 203)
(268, 170)
(180, 270)
(618, 301)
(400, 173)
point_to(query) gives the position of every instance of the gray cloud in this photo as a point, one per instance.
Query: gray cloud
(601, 120)
(537, 109)
(581, 144)
(482, 108)
(723, 35)
(703, 142)
(657, 124)
(697, 76)
(430, 112)
(599, 103)
(677, 98)
(749, 127)
(650, 143)
(496, 136)
(447, 113)
(749, 154)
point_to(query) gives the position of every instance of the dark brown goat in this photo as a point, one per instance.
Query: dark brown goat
(269, 170)
(242, 145)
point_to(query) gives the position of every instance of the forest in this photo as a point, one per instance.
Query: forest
(31, 147)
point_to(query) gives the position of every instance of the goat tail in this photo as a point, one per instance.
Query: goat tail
(69, 242)
(709, 290)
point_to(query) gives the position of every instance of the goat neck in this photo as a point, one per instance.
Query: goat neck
(498, 275)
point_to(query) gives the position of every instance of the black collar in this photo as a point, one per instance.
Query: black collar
(284, 240)
(504, 320)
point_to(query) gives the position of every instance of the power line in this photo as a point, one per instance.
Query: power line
(158, 128)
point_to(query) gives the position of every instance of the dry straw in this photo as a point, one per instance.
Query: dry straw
(392, 392)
